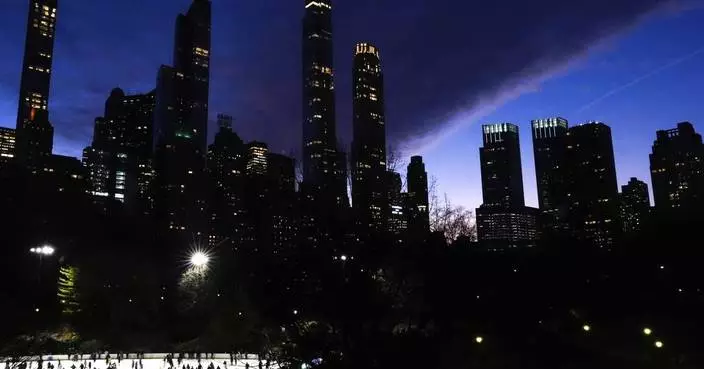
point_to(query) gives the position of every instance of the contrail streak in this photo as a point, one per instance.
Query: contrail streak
(641, 79)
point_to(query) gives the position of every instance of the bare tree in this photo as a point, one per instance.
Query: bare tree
(395, 162)
(394, 158)
(453, 221)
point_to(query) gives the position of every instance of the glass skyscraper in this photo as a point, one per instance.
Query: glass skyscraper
(35, 134)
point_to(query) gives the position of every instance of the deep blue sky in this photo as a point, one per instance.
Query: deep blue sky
(450, 65)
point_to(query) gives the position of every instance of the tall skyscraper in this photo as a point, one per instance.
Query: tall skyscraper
(119, 158)
(502, 176)
(192, 59)
(324, 188)
(549, 154)
(592, 186)
(35, 134)
(369, 194)
(677, 170)
(635, 205)
(319, 131)
(7, 144)
(418, 207)
(181, 121)
(503, 220)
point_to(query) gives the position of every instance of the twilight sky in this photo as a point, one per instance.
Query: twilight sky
(450, 65)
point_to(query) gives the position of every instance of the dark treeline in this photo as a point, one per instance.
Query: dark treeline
(378, 303)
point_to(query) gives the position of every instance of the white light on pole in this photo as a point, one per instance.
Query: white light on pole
(45, 250)
(199, 259)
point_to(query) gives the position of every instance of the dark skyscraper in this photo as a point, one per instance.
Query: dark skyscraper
(192, 59)
(369, 193)
(503, 220)
(502, 177)
(592, 186)
(35, 134)
(635, 205)
(549, 153)
(119, 158)
(324, 187)
(181, 120)
(418, 209)
(281, 200)
(677, 170)
(226, 171)
(319, 133)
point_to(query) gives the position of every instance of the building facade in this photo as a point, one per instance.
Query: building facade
(502, 176)
(226, 174)
(119, 159)
(635, 206)
(180, 134)
(505, 228)
(549, 156)
(398, 209)
(35, 134)
(7, 144)
(503, 220)
(677, 170)
(369, 196)
(324, 165)
(592, 186)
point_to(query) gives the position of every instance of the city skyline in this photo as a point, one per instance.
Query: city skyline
(456, 177)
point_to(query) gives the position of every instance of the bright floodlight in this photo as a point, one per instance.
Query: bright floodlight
(587, 328)
(659, 344)
(647, 331)
(200, 259)
(44, 250)
(479, 339)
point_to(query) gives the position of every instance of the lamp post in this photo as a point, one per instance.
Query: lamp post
(45, 250)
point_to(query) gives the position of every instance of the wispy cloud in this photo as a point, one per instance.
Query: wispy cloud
(642, 78)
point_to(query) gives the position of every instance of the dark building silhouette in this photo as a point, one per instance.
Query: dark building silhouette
(324, 166)
(417, 204)
(369, 192)
(281, 201)
(7, 144)
(66, 175)
(635, 205)
(549, 154)
(592, 187)
(35, 134)
(677, 171)
(180, 133)
(319, 131)
(503, 220)
(502, 176)
(119, 158)
(398, 208)
(226, 173)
